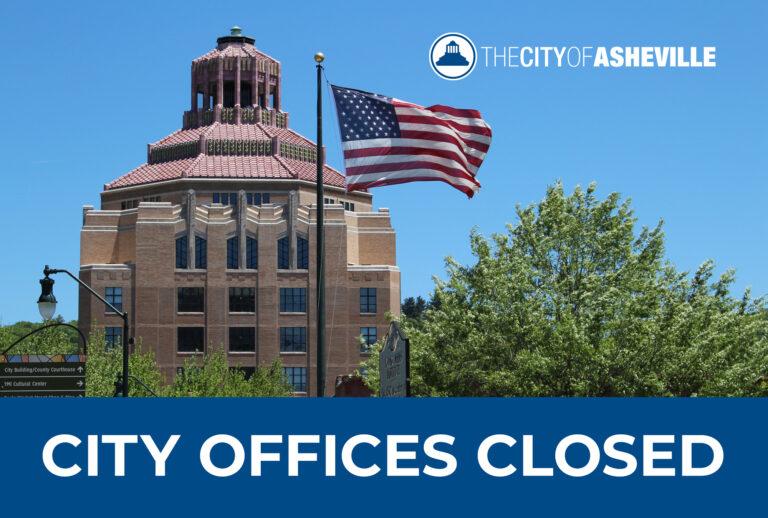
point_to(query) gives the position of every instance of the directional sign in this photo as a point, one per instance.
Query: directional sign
(42, 375)
(395, 365)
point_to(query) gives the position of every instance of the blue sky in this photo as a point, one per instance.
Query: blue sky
(87, 85)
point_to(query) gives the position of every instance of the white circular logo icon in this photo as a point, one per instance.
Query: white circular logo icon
(452, 56)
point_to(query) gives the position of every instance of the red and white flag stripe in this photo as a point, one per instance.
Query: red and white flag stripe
(437, 143)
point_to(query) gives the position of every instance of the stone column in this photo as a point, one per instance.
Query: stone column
(194, 90)
(206, 88)
(255, 84)
(219, 90)
(291, 221)
(277, 88)
(266, 86)
(191, 204)
(242, 215)
(238, 108)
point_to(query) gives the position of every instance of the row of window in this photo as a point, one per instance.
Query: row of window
(132, 204)
(347, 205)
(251, 253)
(242, 300)
(241, 339)
(251, 198)
(296, 376)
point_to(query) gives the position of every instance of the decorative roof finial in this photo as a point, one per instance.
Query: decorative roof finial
(236, 31)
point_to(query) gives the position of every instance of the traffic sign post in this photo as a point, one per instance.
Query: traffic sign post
(39, 375)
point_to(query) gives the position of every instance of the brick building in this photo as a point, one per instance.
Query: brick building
(211, 243)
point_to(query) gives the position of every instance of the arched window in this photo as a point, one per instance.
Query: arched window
(232, 253)
(201, 253)
(251, 253)
(302, 253)
(283, 262)
(181, 252)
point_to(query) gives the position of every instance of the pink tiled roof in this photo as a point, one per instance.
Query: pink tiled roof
(232, 51)
(240, 132)
(234, 132)
(288, 135)
(149, 173)
(239, 167)
(182, 135)
(246, 167)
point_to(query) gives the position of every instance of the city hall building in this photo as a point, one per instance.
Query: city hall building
(211, 242)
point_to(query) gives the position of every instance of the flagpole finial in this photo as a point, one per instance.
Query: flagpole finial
(319, 57)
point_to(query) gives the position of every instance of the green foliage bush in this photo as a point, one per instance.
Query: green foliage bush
(571, 301)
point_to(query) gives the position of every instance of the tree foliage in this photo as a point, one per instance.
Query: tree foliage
(209, 375)
(572, 301)
(205, 375)
(413, 308)
(55, 340)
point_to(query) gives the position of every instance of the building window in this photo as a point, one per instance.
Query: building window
(251, 253)
(225, 198)
(293, 339)
(191, 300)
(242, 339)
(328, 201)
(367, 300)
(232, 253)
(181, 252)
(369, 337)
(293, 300)
(190, 339)
(242, 300)
(302, 253)
(349, 206)
(115, 297)
(282, 254)
(113, 337)
(201, 253)
(257, 198)
(296, 376)
(247, 371)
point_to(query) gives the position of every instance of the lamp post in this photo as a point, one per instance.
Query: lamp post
(319, 57)
(47, 306)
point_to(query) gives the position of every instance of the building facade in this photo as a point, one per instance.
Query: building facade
(211, 243)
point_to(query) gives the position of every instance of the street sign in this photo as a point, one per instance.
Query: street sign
(42, 375)
(395, 364)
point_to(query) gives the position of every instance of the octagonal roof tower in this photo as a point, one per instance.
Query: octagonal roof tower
(235, 127)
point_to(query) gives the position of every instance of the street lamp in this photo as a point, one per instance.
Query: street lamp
(47, 306)
(47, 302)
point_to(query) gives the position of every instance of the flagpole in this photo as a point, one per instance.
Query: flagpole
(319, 57)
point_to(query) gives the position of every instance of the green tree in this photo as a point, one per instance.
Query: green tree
(571, 301)
(54, 340)
(104, 363)
(413, 308)
(206, 375)
(209, 375)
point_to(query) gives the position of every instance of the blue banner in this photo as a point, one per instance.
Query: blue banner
(383, 457)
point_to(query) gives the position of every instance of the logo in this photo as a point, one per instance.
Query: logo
(453, 56)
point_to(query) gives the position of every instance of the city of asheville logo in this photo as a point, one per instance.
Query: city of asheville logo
(452, 56)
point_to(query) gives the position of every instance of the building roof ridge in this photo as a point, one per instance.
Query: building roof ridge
(285, 166)
(186, 170)
(264, 128)
(167, 136)
(207, 133)
(301, 136)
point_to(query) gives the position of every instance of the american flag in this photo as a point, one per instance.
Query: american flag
(387, 141)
